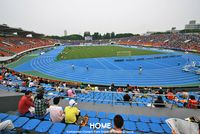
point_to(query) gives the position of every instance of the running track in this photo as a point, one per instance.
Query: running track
(104, 71)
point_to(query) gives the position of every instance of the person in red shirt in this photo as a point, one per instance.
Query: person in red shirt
(1, 77)
(25, 103)
(192, 102)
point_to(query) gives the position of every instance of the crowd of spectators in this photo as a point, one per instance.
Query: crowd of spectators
(160, 96)
(15, 44)
(40, 106)
(22, 83)
(180, 41)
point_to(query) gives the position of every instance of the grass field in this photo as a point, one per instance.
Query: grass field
(22, 60)
(38, 74)
(99, 51)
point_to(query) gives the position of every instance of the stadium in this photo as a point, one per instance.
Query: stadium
(113, 83)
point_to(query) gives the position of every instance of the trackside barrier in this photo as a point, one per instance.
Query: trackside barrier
(140, 99)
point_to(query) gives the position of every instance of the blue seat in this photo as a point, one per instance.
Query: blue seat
(83, 112)
(3, 116)
(134, 104)
(141, 105)
(105, 102)
(71, 128)
(93, 120)
(20, 122)
(91, 114)
(143, 127)
(155, 127)
(133, 118)
(43, 127)
(47, 117)
(124, 116)
(163, 118)
(144, 118)
(31, 124)
(11, 117)
(57, 128)
(105, 121)
(111, 116)
(180, 104)
(101, 115)
(127, 104)
(129, 125)
(166, 128)
(155, 119)
(29, 115)
(39, 117)
(98, 102)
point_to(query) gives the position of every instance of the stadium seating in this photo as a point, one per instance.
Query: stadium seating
(180, 41)
(142, 123)
(132, 123)
(111, 98)
(12, 45)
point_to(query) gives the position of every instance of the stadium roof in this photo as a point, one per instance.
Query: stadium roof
(6, 30)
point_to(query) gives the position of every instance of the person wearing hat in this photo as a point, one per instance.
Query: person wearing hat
(71, 112)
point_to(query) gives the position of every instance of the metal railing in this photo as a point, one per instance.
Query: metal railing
(137, 99)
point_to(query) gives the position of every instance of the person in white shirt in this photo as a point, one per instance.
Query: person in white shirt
(6, 125)
(31, 84)
(56, 111)
(96, 89)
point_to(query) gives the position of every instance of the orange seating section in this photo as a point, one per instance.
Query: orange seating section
(19, 44)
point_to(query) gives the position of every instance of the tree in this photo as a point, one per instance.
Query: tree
(70, 37)
(106, 36)
(122, 35)
(190, 31)
(112, 35)
(74, 37)
(96, 36)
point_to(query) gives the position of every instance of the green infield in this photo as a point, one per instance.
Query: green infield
(22, 60)
(80, 52)
(38, 74)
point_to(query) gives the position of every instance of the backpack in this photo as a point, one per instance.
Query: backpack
(82, 120)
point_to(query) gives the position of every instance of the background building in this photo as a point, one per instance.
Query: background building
(192, 25)
(65, 32)
(87, 35)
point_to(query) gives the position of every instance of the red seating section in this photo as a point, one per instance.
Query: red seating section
(176, 41)
(19, 44)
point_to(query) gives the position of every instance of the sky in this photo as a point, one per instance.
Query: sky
(52, 17)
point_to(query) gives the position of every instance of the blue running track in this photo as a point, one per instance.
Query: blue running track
(104, 71)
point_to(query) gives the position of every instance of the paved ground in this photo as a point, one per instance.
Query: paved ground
(174, 112)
